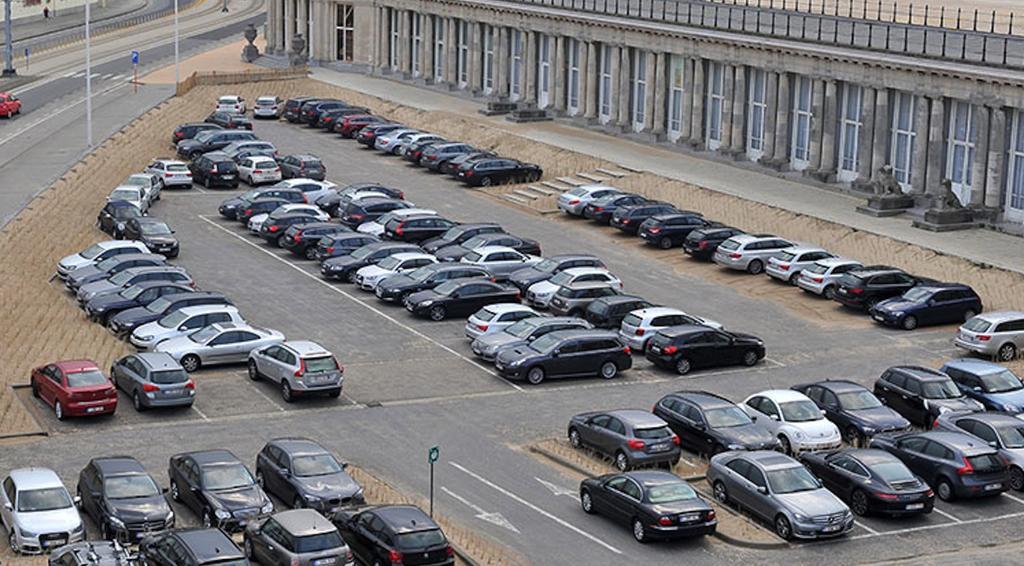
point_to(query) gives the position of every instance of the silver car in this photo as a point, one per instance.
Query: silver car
(181, 322)
(523, 332)
(150, 183)
(575, 200)
(638, 326)
(998, 334)
(299, 368)
(311, 541)
(97, 253)
(403, 143)
(540, 293)
(495, 318)
(153, 379)
(787, 264)
(822, 277)
(267, 107)
(500, 261)
(387, 142)
(133, 194)
(37, 512)
(749, 252)
(781, 491)
(222, 343)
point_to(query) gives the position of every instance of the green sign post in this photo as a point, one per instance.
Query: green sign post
(432, 456)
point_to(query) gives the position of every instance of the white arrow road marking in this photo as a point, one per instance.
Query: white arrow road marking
(557, 490)
(493, 518)
(518, 499)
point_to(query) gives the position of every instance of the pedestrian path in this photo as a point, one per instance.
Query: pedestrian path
(37, 26)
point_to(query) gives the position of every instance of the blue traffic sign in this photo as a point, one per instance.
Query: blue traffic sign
(135, 57)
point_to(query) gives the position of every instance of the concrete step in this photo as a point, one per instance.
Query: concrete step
(570, 181)
(515, 199)
(525, 194)
(611, 173)
(631, 169)
(556, 186)
(594, 178)
(543, 191)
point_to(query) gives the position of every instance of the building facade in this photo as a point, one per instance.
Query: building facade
(835, 113)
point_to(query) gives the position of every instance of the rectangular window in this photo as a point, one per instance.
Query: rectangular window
(677, 78)
(716, 100)
(1015, 179)
(463, 53)
(395, 41)
(488, 70)
(439, 45)
(573, 92)
(345, 30)
(516, 64)
(902, 151)
(960, 150)
(639, 97)
(604, 89)
(849, 130)
(802, 116)
(417, 43)
(757, 108)
(543, 70)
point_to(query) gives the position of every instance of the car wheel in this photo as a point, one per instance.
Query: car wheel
(793, 278)
(298, 503)
(286, 391)
(247, 548)
(909, 323)
(969, 314)
(859, 503)
(574, 439)
(721, 493)
(665, 243)
(829, 292)
(783, 528)
(638, 531)
(176, 494)
(254, 372)
(609, 370)
(750, 358)
(58, 411)
(485, 181)
(787, 448)
(190, 362)
(535, 376)
(13, 542)
(944, 490)
(1016, 479)
(438, 313)
(35, 389)
(683, 366)
(854, 438)
(621, 461)
(1007, 352)
(586, 502)
(310, 253)
(137, 402)
(870, 303)
(755, 267)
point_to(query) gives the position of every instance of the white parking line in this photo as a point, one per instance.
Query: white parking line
(940, 526)
(946, 515)
(867, 528)
(1013, 497)
(200, 413)
(352, 298)
(269, 400)
(518, 499)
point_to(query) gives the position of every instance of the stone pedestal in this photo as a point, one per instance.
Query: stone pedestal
(886, 205)
(528, 113)
(946, 220)
(250, 52)
(498, 107)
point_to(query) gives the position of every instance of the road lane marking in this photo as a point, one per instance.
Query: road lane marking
(557, 490)
(492, 518)
(352, 298)
(940, 526)
(866, 528)
(946, 515)
(518, 499)
(267, 397)
(36, 124)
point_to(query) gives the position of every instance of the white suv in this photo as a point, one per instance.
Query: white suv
(37, 511)
(638, 326)
(540, 294)
(749, 252)
(787, 264)
(794, 419)
(172, 173)
(181, 322)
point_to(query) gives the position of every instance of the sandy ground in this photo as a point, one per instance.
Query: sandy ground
(226, 59)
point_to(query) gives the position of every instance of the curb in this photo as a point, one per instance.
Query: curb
(561, 461)
(463, 556)
(41, 431)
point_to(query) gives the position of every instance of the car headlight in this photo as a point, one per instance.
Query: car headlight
(1011, 409)
(735, 447)
(116, 523)
(268, 508)
(426, 303)
(169, 517)
(943, 410)
(799, 435)
(26, 534)
(800, 517)
(146, 338)
(311, 498)
(869, 430)
(80, 528)
(358, 494)
(515, 363)
(221, 514)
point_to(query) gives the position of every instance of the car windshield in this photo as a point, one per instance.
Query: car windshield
(46, 499)
(321, 363)
(472, 257)
(941, 389)
(92, 251)
(173, 320)
(125, 212)
(108, 263)
(785, 256)
(226, 476)
(656, 433)
(976, 324)
(421, 274)
(447, 287)
(547, 266)
(917, 295)
(420, 539)
(177, 167)
(474, 242)
(159, 305)
(484, 315)
(578, 192)
(204, 135)
(800, 411)
(858, 400)
(203, 334)
(362, 253)
(561, 278)
(315, 465)
(390, 263)
(1000, 382)
(132, 292)
(130, 487)
(318, 543)
(122, 278)
(125, 194)
(1012, 436)
(155, 229)
(169, 377)
(892, 471)
(792, 480)
(522, 329)
(87, 378)
(671, 493)
(546, 343)
(816, 269)
(729, 245)
(726, 417)
(452, 233)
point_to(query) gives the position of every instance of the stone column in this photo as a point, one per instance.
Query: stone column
(882, 133)
(590, 69)
(451, 63)
(994, 181)
(771, 101)
(273, 24)
(728, 84)
(614, 94)
(919, 159)
(501, 63)
(828, 131)
(739, 111)
(625, 92)
(559, 75)
(866, 134)
(697, 91)
(289, 24)
(650, 69)
(818, 109)
(782, 133)
(979, 169)
(936, 146)
(302, 21)
(476, 46)
(688, 98)
(427, 47)
(530, 64)
(660, 90)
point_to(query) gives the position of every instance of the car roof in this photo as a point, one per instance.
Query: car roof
(614, 299)
(584, 270)
(771, 460)
(870, 270)
(120, 203)
(208, 544)
(869, 456)
(306, 348)
(405, 518)
(499, 308)
(483, 250)
(75, 365)
(836, 261)
(298, 445)
(994, 419)
(158, 360)
(205, 309)
(35, 478)
(651, 312)
(838, 385)
(592, 188)
(216, 456)
(682, 330)
(118, 465)
(637, 418)
(922, 373)
(782, 395)
(1000, 316)
(650, 478)
(802, 248)
(303, 522)
(939, 286)
(583, 332)
(959, 440)
(975, 366)
(150, 284)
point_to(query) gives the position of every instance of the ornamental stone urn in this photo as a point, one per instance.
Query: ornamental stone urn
(298, 57)
(250, 52)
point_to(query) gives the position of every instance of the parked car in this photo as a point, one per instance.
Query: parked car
(1003, 432)
(871, 481)
(183, 321)
(314, 214)
(521, 333)
(386, 142)
(220, 343)
(211, 140)
(955, 464)
(303, 473)
(459, 297)
(395, 289)
(171, 172)
(349, 126)
(345, 267)
(125, 322)
(629, 218)
(114, 215)
(565, 353)
(37, 511)
(258, 170)
(341, 244)
(150, 183)
(455, 252)
(155, 233)
(9, 105)
(191, 547)
(365, 210)
(109, 268)
(540, 293)
(601, 210)
(854, 409)
(214, 169)
(273, 230)
(237, 150)
(996, 334)
(928, 304)
(687, 347)
(218, 488)
(608, 312)
(575, 200)
(703, 242)
(267, 107)
(293, 106)
(260, 207)
(229, 120)
(302, 239)
(97, 253)
(787, 264)
(123, 499)
(191, 130)
(376, 227)
(992, 385)
(920, 394)
(300, 368)
(368, 277)
(131, 194)
(416, 228)
(574, 299)
(74, 388)
(302, 166)
(670, 230)
(500, 261)
(631, 438)
(380, 534)
(496, 171)
(457, 235)
(452, 166)
(412, 149)
(132, 276)
(794, 419)
(232, 207)
(639, 326)
(549, 266)
(231, 103)
(403, 144)
(369, 134)
(91, 553)
(495, 318)
(781, 491)
(311, 110)
(153, 380)
(822, 277)
(436, 155)
(749, 252)
(862, 289)
(103, 308)
(707, 423)
(296, 536)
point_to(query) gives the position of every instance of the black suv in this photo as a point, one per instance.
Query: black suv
(602, 209)
(192, 547)
(436, 155)
(302, 239)
(416, 228)
(311, 110)
(156, 234)
(300, 471)
(863, 288)
(671, 230)
(629, 218)
(608, 312)
(368, 210)
(293, 106)
(566, 353)
(458, 234)
(123, 499)
(214, 169)
(920, 394)
(230, 207)
(302, 166)
(205, 142)
(702, 242)
(394, 534)
(274, 228)
(396, 288)
(686, 347)
(341, 244)
(114, 215)
(259, 206)
(229, 121)
(855, 410)
(189, 131)
(218, 488)
(709, 424)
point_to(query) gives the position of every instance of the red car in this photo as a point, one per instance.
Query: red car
(74, 388)
(9, 104)
(350, 125)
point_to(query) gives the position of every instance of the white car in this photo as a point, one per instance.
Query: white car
(786, 265)
(376, 227)
(97, 253)
(575, 200)
(181, 322)
(258, 169)
(134, 195)
(368, 277)
(540, 294)
(387, 142)
(172, 173)
(150, 183)
(311, 188)
(403, 143)
(222, 343)
(495, 318)
(794, 419)
(256, 222)
(638, 326)
(267, 107)
(231, 103)
(37, 511)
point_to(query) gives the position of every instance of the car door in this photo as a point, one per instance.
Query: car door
(563, 359)
(89, 492)
(9, 496)
(911, 452)
(828, 402)
(943, 307)
(243, 343)
(53, 384)
(889, 390)
(916, 411)
(222, 347)
(844, 473)
(192, 495)
(593, 429)
(761, 503)
(360, 532)
(268, 362)
(624, 502)
(688, 418)
(734, 477)
(614, 437)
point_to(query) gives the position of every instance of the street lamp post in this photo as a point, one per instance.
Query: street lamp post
(177, 67)
(88, 80)
(8, 42)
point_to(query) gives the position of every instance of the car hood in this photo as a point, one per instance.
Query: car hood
(1014, 398)
(428, 295)
(237, 499)
(134, 315)
(73, 261)
(339, 484)
(344, 261)
(84, 273)
(543, 288)
(374, 271)
(494, 341)
(154, 329)
(961, 404)
(188, 144)
(515, 353)
(880, 418)
(259, 218)
(232, 203)
(820, 428)
(58, 520)
(140, 508)
(106, 302)
(811, 503)
(748, 435)
(397, 282)
(95, 287)
(176, 345)
(435, 244)
(160, 240)
(749, 338)
(896, 304)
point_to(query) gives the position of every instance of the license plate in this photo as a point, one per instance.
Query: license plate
(655, 350)
(878, 317)
(644, 235)
(993, 486)
(98, 409)
(831, 528)
(227, 176)
(318, 379)
(689, 517)
(915, 506)
(324, 561)
(54, 542)
(173, 392)
(659, 447)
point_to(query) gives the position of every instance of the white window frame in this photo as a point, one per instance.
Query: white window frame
(572, 91)
(462, 58)
(715, 105)
(440, 25)
(488, 66)
(638, 96)
(960, 142)
(901, 153)
(393, 60)
(676, 96)
(417, 43)
(803, 118)
(544, 70)
(1015, 171)
(604, 87)
(757, 110)
(515, 65)
(850, 122)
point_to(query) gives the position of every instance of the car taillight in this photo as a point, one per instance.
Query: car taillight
(930, 493)
(640, 331)
(470, 174)
(598, 209)
(305, 199)
(669, 350)
(357, 216)
(213, 171)
(856, 291)
(337, 365)
(887, 496)
(703, 245)
(258, 171)
(188, 173)
(654, 230)
(625, 221)
(179, 134)
(675, 440)
(784, 266)
(401, 195)
(295, 562)
(330, 249)
(395, 557)
(274, 228)
(817, 279)
(665, 521)
(399, 230)
(574, 201)
(966, 469)
(302, 368)
(248, 211)
(935, 423)
(150, 388)
(482, 327)
(168, 174)
(297, 235)
(449, 551)
(190, 384)
(984, 337)
(635, 444)
(519, 296)
(626, 350)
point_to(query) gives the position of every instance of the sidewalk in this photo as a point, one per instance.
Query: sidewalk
(33, 26)
(980, 246)
(224, 59)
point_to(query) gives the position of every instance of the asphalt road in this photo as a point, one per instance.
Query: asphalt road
(412, 384)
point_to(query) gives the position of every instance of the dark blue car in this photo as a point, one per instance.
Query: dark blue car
(994, 386)
(855, 410)
(933, 303)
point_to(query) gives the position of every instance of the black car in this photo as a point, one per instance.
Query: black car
(292, 107)
(91, 553)
(218, 488)
(437, 154)
(341, 244)
(329, 119)
(105, 307)
(871, 481)
(920, 394)
(862, 288)
(855, 410)
(608, 312)
(566, 353)
(156, 234)
(396, 288)
(379, 535)
(214, 169)
(495, 171)
(302, 166)
(114, 215)
(302, 239)
(415, 150)
(702, 242)
(670, 230)
(416, 228)
(458, 234)
(460, 297)
(305, 474)
(655, 505)
(710, 424)
(452, 166)
(345, 267)
(229, 121)
(123, 499)
(274, 228)
(455, 252)
(928, 304)
(368, 210)
(334, 202)
(311, 110)
(189, 131)
(955, 465)
(683, 348)
(110, 267)
(629, 218)
(212, 140)
(230, 207)
(191, 547)
(259, 206)
(368, 135)
(128, 320)
(601, 209)
(547, 268)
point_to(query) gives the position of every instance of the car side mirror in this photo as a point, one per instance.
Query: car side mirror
(774, 417)
(976, 388)
(822, 412)
(530, 338)
(753, 418)
(344, 465)
(165, 490)
(993, 444)
(762, 490)
(183, 327)
(8, 506)
(555, 354)
(286, 472)
(700, 426)
(77, 500)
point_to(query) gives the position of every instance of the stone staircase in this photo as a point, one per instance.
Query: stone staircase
(530, 195)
